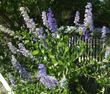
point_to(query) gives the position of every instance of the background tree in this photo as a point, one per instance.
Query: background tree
(64, 11)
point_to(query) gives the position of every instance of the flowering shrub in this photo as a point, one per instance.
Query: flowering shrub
(43, 60)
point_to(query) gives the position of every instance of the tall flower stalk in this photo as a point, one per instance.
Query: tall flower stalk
(44, 19)
(88, 21)
(48, 81)
(12, 48)
(77, 18)
(20, 69)
(6, 30)
(24, 51)
(29, 22)
(51, 21)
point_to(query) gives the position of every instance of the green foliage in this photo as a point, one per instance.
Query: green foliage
(9, 11)
(60, 56)
(59, 59)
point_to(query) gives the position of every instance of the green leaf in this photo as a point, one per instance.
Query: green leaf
(35, 52)
(43, 51)
(26, 41)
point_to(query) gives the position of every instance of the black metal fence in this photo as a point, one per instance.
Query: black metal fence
(94, 49)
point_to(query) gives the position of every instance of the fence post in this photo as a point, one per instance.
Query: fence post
(5, 84)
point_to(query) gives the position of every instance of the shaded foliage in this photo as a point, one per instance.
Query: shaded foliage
(64, 10)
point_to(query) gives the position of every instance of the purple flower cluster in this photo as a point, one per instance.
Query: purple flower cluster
(29, 22)
(24, 51)
(34, 39)
(51, 21)
(42, 70)
(86, 35)
(84, 31)
(12, 48)
(88, 21)
(46, 80)
(87, 27)
(21, 49)
(77, 18)
(40, 32)
(21, 69)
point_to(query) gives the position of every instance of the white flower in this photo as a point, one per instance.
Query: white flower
(23, 50)
(77, 18)
(29, 22)
(44, 18)
(12, 48)
(6, 30)
(61, 28)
